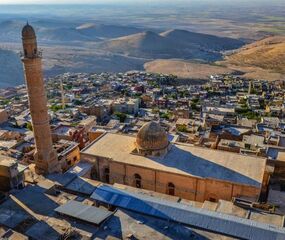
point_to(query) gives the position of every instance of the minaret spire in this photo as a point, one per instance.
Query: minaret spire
(45, 155)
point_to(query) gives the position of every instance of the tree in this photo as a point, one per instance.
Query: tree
(182, 128)
(77, 102)
(166, 115)
(122, 116)
(55, 108)
(155, 110)
(29, 126)
(195, 107)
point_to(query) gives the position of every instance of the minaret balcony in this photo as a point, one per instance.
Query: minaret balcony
(38, 54)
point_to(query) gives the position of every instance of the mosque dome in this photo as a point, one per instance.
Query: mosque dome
(28, 31)
(152, 137)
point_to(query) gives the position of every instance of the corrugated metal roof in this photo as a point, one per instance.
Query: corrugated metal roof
(188, 215)
(84, 212)
(82, 185)
(80, 169)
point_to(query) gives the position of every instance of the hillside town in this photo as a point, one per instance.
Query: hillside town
(138, 155)
(225, 115)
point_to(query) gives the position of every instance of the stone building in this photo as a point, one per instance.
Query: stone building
(126, 105)
(3, 116)
(68, 154)
(152, 162)
(97, 110)
(11, 173)
(181, 112)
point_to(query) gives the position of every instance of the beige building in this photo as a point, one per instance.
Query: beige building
(65, 132)
(88, 123)
(151, 162)
(68, 154)
(11, 173)
(182, 112)
(126, 105)
(100, 111)
(3, 116)
(94, 134)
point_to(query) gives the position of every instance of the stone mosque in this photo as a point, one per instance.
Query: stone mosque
(151, 160)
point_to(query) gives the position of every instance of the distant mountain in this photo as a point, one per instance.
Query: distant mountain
(11, 70)
(83, 33)
(106, 31)
(62, 35)
(146, 43)
(10, 30)
(172, 44)
(64, 31)
(201, 40)
(54, 23)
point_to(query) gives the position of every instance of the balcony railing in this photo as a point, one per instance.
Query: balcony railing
(38, 54)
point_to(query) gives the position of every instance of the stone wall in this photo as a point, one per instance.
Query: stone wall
(187, 187)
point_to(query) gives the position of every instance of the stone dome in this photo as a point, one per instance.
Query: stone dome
(28, 31)
(152, 137)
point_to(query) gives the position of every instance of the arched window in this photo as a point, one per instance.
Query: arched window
(107, 175)
(138, 181)
(171, 189)
(25, 52)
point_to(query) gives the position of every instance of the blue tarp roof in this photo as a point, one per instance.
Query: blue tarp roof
(195, 217)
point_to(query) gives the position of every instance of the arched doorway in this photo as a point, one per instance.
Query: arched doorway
(171, 189)
(107, 175)
(138, 181)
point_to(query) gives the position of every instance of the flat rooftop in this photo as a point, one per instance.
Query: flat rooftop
(63, 130)
(6, 161)
(183, 159)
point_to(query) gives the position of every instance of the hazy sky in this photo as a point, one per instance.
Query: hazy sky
(67, 1)
(132, 1)
(98, 1)
(166, 3)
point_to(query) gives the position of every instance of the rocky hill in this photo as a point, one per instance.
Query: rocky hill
(264, 59)
(172, 44)
(106, 31)
(203, 41)
(146, 44)
(268, 54)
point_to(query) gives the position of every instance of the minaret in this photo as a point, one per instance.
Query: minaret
(45, 155)
(62, 94)
(250, 87)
